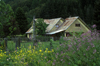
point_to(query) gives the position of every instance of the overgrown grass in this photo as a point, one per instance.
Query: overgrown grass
(80, 51)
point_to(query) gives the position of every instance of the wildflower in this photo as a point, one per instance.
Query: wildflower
(45, 57)
(69, 49)
(92, 45)
(56, 56)
(34, 47)
(52, 50)
(69, 63)
(4, 52)
(61, 52)
(40, 50)
(83, 54)
(73, 52)
(94, 51)
(77, 48)
(48, 61)
(54, 60)
(17, 48)
(45, 51)
(79, 45)
(88, 48)
(57, 53)
(49, 51)
(61, 59)
(67, 56)
(94, 26)
(46, 48)
(75, 43)
(7, 59)
(53, 63)
(69, 45)
(42, 54)
(61, 44)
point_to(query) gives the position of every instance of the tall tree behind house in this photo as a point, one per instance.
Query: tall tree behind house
(21, 19)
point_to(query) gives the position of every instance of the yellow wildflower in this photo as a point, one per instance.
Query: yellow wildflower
(34, 47)
(42, 54)
(45, 51)
(17, 48)
(49, 51)
(40, 50)
(52, 50)
(46, 48)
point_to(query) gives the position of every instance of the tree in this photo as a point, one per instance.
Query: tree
(40, 27)
(97, 14)
(6, 14)
(21, 19)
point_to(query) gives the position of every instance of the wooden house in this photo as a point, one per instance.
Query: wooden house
(63, 27)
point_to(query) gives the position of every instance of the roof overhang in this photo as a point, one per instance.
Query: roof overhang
(54, 32)
(30, 31)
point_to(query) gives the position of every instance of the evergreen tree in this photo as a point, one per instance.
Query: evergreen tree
(6, 14)
(21, 19)
(97, 14)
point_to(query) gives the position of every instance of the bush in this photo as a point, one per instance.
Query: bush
(2, 47)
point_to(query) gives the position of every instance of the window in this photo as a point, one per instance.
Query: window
(77, 25)
(57, 25)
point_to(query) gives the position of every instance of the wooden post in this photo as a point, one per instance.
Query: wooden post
(51, 42)
(34, 31)
(16, 43)
(5, 43)
(19, 42)
(50, 45)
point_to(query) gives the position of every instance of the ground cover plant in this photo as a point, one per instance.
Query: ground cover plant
(80, 51)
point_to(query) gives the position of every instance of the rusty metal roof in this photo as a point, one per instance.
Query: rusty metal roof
(48, 21)
(52, 24)
(67, 23)
(64, 26)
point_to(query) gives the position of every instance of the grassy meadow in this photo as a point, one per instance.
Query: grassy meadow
(80, 51)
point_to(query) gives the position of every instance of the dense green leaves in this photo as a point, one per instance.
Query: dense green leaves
(8, 25)
(21, 19)
(56, 8)
(6, 13)
(97, 14)
(40, 27)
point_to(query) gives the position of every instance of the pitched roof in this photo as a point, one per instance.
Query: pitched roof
(66, 25)
(29, 30)
(51, 23)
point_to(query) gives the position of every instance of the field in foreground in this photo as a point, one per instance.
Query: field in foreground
(82, 51)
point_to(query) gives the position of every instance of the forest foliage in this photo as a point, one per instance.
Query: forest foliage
(88, 10)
